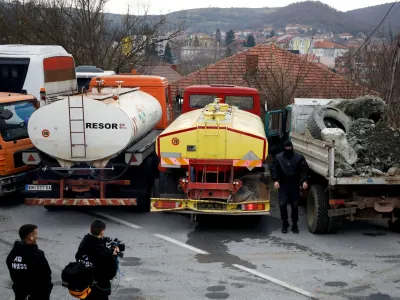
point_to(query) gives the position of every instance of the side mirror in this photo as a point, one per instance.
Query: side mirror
(6, 114)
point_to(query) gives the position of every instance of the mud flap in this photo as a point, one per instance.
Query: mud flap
(384, 206)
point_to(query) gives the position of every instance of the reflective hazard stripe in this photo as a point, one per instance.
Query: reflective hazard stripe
(80, 202)
(174, 162)
(247, 163)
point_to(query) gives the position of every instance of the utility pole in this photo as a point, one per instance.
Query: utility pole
(394, 67)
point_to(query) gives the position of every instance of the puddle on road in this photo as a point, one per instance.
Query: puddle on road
(216, 288)
(131, 261)
(319, 255)
(130, 294)
(217, 292)
(378, 296)
(374, 234)
(217, 295)
(213, 233)
(336, 283)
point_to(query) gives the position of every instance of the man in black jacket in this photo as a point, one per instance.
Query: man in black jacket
(288, 172)
(93, 252)
(29, 269)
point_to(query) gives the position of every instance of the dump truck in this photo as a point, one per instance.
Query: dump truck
(15, 111)
(211, 162)
(95, 148)
(332, 198)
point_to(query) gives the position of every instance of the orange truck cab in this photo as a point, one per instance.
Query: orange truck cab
(15, 111)
(156, 86)
(198, 96)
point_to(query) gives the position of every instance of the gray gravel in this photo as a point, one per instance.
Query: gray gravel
(360, 262)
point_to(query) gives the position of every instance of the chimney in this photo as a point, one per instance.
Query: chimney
(251, 63)
(174, 67)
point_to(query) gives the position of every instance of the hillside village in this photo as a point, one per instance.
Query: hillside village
(326, 49)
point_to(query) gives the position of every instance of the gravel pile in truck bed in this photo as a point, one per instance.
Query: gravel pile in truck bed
(377, 146)
(369, 107)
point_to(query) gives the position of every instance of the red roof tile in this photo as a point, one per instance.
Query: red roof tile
(278, 72)
(328, 45)
(164, 70)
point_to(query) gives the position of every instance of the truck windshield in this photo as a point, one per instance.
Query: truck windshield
(243, 102)
(199, 101)
(16, 128)
(13, 73)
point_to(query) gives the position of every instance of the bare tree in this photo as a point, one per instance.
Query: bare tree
(193, 59)
(85, 30)
(376, 66)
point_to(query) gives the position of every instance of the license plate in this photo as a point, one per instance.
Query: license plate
(38, 187)
(210, 206)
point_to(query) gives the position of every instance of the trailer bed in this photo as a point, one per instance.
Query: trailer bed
(320, 156)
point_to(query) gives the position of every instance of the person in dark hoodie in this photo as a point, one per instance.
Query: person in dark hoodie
(93, 252)
(29, 269)
(289, 171)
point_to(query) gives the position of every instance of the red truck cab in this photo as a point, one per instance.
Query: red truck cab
(198, 96)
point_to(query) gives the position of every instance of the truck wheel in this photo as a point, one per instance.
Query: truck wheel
(168, 183)
(394, 226)
(155, 191)
(317, 209)
(143, 201)
(334, 224)
(327, 117)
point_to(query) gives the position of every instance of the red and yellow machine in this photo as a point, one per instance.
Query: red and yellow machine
(211, 161)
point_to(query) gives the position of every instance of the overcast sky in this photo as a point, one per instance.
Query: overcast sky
(165, 6)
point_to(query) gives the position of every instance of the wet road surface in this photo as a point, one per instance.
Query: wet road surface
(170, 257)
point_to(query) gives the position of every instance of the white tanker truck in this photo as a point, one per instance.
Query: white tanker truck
(95, 149)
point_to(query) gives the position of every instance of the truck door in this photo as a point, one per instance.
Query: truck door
(14, 133)
(274, 130)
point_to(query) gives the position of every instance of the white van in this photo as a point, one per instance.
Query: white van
(31, 68)
(84, 75)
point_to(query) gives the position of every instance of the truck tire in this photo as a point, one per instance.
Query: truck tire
(317, 209)
(155, 191)
(168, 183)
(334, 224)
(327, 117)
(395, 226)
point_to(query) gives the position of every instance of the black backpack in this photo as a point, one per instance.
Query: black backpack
(78, 278)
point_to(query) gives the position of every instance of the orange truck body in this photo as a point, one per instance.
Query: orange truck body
(13, 172)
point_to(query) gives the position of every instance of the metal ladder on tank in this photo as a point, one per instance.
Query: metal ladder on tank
(77, 129)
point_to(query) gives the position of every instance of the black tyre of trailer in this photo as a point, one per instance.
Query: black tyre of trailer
(317, 209)
(155, 192)
(168, 183)
(146, 181)
(327, 117)
(395, 226)
(334, 224)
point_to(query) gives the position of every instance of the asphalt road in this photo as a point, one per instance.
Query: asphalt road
(170, 257)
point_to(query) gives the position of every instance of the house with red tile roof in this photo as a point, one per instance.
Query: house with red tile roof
(346, 36)
(279, 75)
(328, 51)
(310, 57)
(165, 70)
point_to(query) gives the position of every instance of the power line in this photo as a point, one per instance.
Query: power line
(369, 37)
